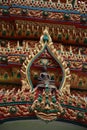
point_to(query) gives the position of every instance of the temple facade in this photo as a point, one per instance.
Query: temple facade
(43, 60)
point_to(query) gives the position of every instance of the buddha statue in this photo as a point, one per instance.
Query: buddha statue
(45, 80)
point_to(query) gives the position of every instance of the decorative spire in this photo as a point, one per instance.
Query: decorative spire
(76, 3)
(73, 31)
(32, 28)
(18, 45)
(71, 50)
(79, 52)
(61, 48)
(45, 38)
(59, 2)
(85, 35)
(67, 2)
(8, 44)
(27, 45)
(17, 25)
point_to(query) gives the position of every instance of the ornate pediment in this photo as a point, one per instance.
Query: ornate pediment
(46, 105)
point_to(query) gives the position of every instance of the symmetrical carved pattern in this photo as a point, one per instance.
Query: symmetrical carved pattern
(46, 104)
(37, 51)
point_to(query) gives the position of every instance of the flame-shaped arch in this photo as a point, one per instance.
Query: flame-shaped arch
(45, 43)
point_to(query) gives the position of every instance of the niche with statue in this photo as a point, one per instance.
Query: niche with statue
(45, 71)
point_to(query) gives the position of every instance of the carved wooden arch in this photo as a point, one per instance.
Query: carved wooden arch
(43, 44)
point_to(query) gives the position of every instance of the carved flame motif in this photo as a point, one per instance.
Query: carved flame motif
(46, 105)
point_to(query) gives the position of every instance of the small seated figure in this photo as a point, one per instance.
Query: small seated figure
(45, 80)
